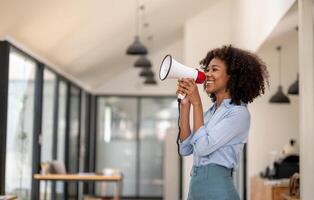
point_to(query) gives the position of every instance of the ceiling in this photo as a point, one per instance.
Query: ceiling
(287, 25)
(88, 38)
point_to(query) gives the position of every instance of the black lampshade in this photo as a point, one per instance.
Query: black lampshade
(137, 48)
(279, 97)
(142, 61)
(294, 87)
(150, 80)
(146, 72)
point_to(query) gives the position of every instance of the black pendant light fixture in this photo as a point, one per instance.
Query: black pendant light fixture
(279, 96)
(294, 87)
(150, 80)
(142, 61)
(146, 72)
(137, 48)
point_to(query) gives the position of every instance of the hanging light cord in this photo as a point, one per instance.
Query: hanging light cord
(279, 63)
(137, 18)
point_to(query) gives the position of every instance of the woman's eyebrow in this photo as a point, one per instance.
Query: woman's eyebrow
(211, 66)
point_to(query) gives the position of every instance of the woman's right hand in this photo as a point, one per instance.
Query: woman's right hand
(186, 100)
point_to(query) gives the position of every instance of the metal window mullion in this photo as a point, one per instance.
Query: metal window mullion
(67, 135)
(4, 87)
(87, 140)
(78, 141)
(37, 128)
(92, 141)
(55, 131)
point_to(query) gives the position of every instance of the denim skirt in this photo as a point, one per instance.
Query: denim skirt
(212, 182)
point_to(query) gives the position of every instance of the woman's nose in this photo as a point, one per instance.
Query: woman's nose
(208, 73)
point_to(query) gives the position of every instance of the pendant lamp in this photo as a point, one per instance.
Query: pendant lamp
(294, 87)
(150, 80)
(279, 96)
(146, 72)
(137, 47)
(142, 61)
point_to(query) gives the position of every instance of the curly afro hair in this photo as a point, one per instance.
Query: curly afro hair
(247, 73)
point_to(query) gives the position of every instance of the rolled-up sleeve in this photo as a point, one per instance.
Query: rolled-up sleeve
(208, 139)
(185, 146)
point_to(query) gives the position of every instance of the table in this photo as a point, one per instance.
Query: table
(83, 177)
(263, 189)
(8, 197)
(287, 197)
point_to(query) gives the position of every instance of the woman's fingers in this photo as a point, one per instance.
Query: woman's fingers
(182, 90)
(186, 85)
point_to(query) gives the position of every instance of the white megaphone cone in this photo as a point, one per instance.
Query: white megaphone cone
(170, 68)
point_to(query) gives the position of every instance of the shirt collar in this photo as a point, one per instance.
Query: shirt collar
(225, 103)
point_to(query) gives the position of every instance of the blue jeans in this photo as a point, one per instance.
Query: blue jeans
(212, 182)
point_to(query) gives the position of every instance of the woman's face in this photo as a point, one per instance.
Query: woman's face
(216, 77)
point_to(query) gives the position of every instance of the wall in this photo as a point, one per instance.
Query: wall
(274, 124)
(254, 20)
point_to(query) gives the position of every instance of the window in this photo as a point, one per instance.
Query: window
(20, 125)
(47, 121)
(116, 142)
(130, 136)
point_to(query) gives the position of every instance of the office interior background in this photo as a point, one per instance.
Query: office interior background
(69, 91)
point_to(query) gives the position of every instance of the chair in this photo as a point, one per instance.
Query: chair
(57, 167)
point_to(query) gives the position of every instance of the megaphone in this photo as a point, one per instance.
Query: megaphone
(170, 68)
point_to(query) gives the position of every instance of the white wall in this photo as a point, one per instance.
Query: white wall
(254, 20)
(273, 125)
(131, 83)
(306, 67)
(202, 33)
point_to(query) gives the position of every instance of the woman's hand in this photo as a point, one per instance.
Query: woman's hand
(184, 101)
(187, 86)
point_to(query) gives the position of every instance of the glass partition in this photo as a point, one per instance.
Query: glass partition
(49, 85)
(20, 125)
(61, 132)
(130, 137)
(50, 126)
(157, 117)
(73, 149)
(116, 142)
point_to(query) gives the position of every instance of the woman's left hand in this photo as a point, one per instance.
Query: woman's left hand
(189, 88)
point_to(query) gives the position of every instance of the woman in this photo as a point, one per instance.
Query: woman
(234, 78)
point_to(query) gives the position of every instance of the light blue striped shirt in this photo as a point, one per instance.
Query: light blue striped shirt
(222, 137)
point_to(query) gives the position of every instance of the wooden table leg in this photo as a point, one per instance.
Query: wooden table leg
(117, 190)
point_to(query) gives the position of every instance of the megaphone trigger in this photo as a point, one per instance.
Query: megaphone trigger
(181, 96)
